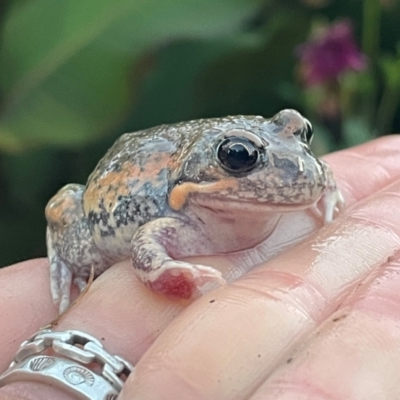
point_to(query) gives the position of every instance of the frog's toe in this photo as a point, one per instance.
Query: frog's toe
(60, 277)
(60, 283)
(183, 280)
(81, 283)
(333, 202)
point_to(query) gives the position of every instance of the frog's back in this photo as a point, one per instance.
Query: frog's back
(145, 154)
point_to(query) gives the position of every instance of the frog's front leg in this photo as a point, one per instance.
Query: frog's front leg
(157, 245)
(332, 199)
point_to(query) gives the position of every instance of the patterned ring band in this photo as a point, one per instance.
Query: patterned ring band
(37, 360)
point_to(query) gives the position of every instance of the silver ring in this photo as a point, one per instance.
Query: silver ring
(38, 360)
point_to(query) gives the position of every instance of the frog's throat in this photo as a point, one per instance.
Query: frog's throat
(180, 193)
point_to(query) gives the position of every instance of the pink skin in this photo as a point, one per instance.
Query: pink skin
(321, 321)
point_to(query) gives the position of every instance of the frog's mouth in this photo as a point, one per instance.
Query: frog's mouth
(249, 206)
(220, 196)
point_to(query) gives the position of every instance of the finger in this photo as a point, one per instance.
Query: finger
(24, 288)
(118, 310)
(24, 304)
(128, 317)
(358, 346)
(363, 169)
(234, 338)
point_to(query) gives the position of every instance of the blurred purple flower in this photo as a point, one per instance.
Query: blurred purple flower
(333, 52)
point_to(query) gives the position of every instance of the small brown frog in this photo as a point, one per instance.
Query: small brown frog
(194, 188)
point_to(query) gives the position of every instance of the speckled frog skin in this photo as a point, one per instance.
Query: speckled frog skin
(194, 188)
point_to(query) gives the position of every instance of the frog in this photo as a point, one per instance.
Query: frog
(196, 188)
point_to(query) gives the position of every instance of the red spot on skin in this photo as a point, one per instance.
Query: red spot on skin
(180, 285)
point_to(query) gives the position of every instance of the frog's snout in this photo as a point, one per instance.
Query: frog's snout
(295, 123)
(287, 116)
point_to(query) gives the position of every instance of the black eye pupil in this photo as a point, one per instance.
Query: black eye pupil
(237, 154)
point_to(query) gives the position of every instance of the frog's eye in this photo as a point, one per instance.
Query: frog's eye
(307, 133)
(237, 154)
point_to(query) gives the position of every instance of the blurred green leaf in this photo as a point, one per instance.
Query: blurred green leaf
(169, 92)
(252, 78)
(356, 130)
(390, 100)
(65, 67)
(391, 69)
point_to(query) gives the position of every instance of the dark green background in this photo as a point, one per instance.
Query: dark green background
(76, 74)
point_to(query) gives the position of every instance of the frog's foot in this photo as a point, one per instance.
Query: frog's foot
(182, 279)
(156, 248)
(332, 200)
(330, 204)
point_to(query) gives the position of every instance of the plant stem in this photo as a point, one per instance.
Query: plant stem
(370, 45)
(371, 28)
(387, 110)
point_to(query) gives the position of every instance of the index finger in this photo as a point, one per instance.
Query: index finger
(229, 341)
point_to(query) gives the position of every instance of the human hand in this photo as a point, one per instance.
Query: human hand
(320, 321)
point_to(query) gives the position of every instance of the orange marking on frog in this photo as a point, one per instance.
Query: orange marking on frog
(180, 193)
(58, 205)
(113, 184)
